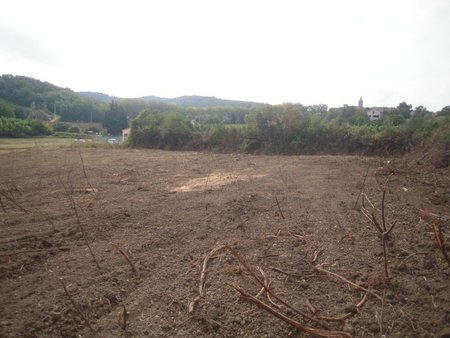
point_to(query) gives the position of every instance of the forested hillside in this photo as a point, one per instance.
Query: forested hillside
(25, 97)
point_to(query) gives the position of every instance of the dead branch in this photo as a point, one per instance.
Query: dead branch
(298, 236)
(201, 288)
(368, 200)
(74, 207)
(127, 258)
(365, 212)
(362, 188)
(440, 240)
(124, 317)
(363, 301)
(383, 219)
(192, 305)
(435, 220)
(279, 208)
(375, 222)
(267, 284)
(382, 229)
(84, 171)
(268, 290)
(311, 330)
(320, 269)
(317, 253)
(11, 199)
(76, 306)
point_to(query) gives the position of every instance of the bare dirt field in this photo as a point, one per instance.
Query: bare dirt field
(292, 223)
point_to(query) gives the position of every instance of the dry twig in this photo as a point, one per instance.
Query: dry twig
(320, 269)
(76, 306)
(124, 317)
(84, 171)
(127, 258)
(201, 288)
(192, 305)
(74, 207)
(362, 187)
(381, 228)
(267, 284)
(311, 330)
(440, 240)
(279, 208)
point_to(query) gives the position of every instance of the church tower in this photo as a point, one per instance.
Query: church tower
(360, 102)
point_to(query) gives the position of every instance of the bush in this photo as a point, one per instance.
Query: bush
(12, 127)
(6, 109)
(175, 131)
(74, 129)
(61, 126)
(291, 129)
(145, 129)
(220, 137)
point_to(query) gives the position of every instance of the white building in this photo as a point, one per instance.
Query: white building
(125, 134)
(375, 114)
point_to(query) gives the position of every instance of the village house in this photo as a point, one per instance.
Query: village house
(125, 134)
(375, 114)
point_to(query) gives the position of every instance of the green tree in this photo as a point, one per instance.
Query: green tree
(444, 111)
(61, 126)
(115, 119)
(404, 109)
(176, 131)
(145, 129)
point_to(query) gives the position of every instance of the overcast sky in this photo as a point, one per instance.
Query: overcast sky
(307, 51)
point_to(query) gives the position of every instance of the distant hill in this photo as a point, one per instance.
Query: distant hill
(27, 97)
(98, 96)
(196, 101)
(22, 96)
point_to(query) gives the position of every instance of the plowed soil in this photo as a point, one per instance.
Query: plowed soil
(287, 218)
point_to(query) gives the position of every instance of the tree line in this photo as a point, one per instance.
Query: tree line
(296, 129)
(27, 106)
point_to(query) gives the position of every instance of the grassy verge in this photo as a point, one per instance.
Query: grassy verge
(8, 145)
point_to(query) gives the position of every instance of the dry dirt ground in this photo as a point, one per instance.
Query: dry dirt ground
(286, 218)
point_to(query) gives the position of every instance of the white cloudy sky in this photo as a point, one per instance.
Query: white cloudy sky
(308, 51)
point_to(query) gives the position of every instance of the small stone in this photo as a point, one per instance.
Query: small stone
(428, 263)
(351, 309)
(374, 328)
(304, 284)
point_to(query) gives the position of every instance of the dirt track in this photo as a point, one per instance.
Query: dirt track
(167, 210)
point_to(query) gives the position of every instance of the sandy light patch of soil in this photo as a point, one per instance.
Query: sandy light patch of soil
(150, 218)
(214, 181)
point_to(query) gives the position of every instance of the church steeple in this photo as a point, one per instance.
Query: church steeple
(360, 102)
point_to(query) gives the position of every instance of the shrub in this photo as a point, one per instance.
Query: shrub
(175, 131)
(61, 126)
(12, 127)
(74, 129)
